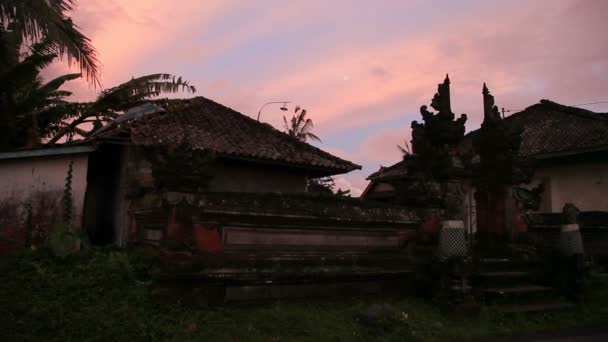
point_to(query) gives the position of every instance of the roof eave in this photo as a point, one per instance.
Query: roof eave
(567, 153)
(322, 170)
(47, 151)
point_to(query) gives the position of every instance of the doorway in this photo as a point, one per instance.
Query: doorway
(101, 202)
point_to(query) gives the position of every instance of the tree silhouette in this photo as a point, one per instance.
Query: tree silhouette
(300, 126)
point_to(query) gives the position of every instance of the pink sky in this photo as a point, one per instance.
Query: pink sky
(361, 68)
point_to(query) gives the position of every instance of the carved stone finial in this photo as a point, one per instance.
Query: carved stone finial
(441, 101)
(490, 111)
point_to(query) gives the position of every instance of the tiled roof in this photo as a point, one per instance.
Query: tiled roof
(554, 129)
(398, 170)
(207, 125)
(549, 129)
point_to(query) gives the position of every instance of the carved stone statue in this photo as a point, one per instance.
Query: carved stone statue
(570, 214)
(529, 199)
(419, 138)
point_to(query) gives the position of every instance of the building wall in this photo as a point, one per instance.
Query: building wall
(585, 184)
(31, 196)
(233, 177)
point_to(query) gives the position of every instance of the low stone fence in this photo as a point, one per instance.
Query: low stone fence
(544, 230)
(284, 244)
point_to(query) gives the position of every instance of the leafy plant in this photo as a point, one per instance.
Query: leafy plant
(63, 242)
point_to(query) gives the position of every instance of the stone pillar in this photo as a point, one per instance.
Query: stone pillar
(452, 240)
(570, 241)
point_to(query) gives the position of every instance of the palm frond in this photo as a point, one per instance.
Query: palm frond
(308, 125)
(301, 117)
(405, 149)
(56, 83)
(37, 19)
(141, 88)
(311, 136)
(285, 124)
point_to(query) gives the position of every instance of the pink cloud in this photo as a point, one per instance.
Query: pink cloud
(518, 51)
(126, 35)
(354, 74)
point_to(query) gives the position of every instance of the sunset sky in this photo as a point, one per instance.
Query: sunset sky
(361, 68)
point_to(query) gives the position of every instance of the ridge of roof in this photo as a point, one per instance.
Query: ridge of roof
(399, 169)
(580, 112)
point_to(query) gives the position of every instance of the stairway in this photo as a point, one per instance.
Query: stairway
(511, 285)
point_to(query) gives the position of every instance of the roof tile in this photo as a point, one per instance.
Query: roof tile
(207, 125)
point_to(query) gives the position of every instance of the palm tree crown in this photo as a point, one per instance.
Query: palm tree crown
(299, 126)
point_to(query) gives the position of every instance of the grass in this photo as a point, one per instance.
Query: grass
(107, 295)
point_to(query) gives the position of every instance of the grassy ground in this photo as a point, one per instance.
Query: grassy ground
(106, 295)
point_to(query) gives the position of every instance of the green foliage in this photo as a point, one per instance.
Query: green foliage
(63, 242)
(323, 185)
(110, 295)
(28, 107)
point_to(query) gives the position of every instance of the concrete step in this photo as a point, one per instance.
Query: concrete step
(490, 279)
(536, 307)
(505, 274)
(525, 289)
(494, 265)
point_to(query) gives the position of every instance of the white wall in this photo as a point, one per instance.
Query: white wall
(585, 184)
(39, 182)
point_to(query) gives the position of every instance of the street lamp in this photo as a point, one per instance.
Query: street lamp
(283, 108)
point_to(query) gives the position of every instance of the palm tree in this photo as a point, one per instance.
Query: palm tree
(26, 104)
(405, 149)
(299, 126)
(113, 102)
(38, 20)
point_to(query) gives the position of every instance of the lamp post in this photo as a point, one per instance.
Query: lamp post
(283, 108)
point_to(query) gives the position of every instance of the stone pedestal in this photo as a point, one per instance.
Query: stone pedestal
(452, 240)
(570, 241)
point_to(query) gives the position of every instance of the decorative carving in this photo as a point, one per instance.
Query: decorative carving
(434, 145)
(529, 199)
(490, 110)
(570, 214)
(435, 140)
(497, 145)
